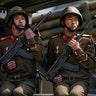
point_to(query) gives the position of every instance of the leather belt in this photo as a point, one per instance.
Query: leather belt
(72, 78)
(15, 77)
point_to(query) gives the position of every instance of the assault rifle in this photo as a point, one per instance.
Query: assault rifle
(36, 25)
(61, 60)
(19, 42)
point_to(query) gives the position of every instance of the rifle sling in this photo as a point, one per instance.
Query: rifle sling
(24, 54)
(66, 65)
(61, 63)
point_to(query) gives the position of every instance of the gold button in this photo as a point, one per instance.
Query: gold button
(16, 38)
(7, 48)
(27, 49)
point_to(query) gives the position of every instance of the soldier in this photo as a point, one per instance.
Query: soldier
(21, 68)
(70, 82)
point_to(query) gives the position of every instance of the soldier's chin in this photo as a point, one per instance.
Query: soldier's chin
(20, 27)
(72, 29)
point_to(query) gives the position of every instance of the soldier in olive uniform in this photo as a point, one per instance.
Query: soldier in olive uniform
(21, 68)
(70, 82)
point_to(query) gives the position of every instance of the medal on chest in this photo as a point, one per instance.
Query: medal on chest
(57, 49)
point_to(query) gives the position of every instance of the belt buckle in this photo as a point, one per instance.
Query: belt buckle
(71, 78)
(17, 77)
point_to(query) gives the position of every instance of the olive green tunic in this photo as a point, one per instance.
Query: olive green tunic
(84, 57)
(24, 66)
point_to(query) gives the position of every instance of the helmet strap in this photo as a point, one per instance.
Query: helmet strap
(71, 29)
(19, 27)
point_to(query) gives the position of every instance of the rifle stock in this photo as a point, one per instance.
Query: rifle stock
(59, 63)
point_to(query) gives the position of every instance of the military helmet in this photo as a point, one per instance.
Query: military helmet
(16, 10)
(72, 10)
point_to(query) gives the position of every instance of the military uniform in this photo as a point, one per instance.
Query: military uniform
(58, 44)
(73, 78)
(25, 71)
(19, 54)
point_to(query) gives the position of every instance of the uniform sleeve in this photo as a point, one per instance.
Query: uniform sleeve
(36, 47)
(86, 55)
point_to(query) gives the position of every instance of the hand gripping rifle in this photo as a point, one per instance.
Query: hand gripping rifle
(61, 60)
(19, 42)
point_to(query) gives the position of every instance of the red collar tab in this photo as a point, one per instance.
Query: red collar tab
(73, 37)
(37, 35)
(65, 38)
(12, 38)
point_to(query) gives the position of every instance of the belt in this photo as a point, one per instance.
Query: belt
(15, 77)
(72, 78)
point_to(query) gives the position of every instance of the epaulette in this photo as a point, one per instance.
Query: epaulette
(54, 36)
(87, 35)
(5, 37)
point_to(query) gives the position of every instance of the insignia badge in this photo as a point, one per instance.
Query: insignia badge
(70, 8)
(19, 8)
(7, 48)
(57, 49)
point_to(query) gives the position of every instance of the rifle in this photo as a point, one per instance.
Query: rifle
(19, 43)
(36, 25)
(61, 60)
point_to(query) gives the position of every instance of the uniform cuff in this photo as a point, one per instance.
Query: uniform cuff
(81, 55)
(31, 41)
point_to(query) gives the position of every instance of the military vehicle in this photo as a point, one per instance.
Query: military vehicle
(37, 9)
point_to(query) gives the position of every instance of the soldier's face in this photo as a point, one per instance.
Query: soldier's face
(71, 20)
(19, 20)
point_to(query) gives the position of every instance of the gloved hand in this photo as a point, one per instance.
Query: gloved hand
(29, 33)
(57, 79)
(11, 65)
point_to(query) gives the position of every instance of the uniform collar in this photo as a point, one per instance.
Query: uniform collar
(66, 38)
(13, 38)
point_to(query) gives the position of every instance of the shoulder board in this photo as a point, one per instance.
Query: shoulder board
(87, 35)
(55, 36)
(5, 37)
